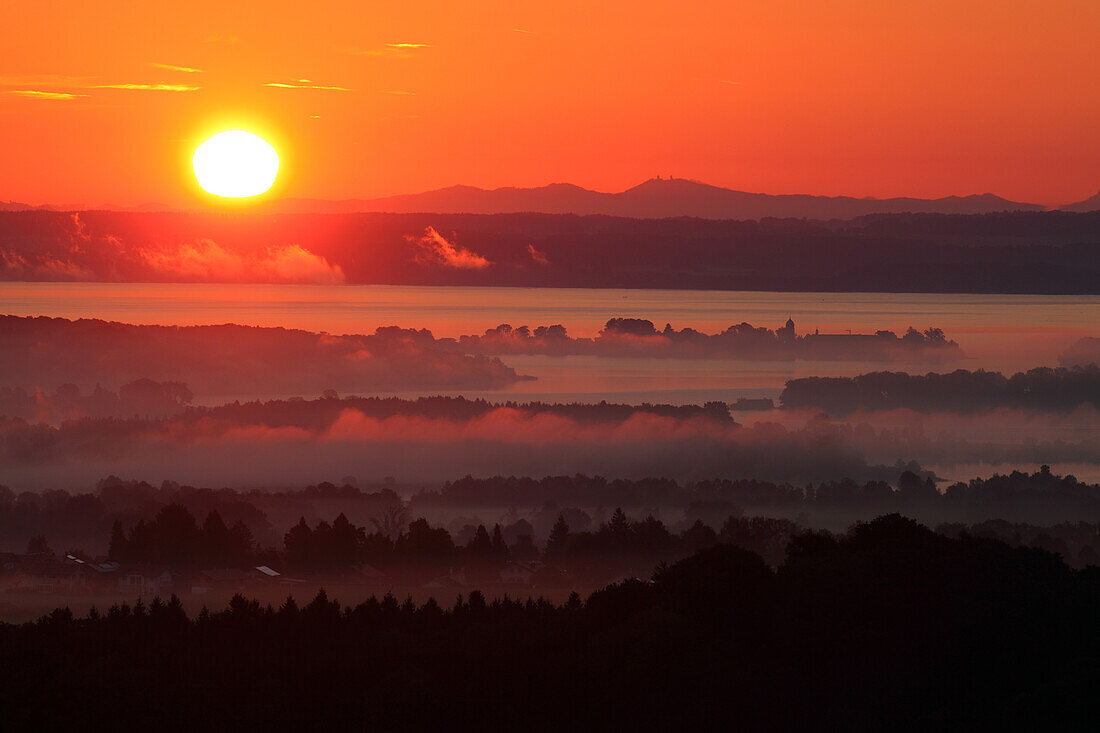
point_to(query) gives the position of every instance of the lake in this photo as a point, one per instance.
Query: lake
(1003, 332)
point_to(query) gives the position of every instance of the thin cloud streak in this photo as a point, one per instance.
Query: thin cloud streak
(390, 50)
(305, 84)
(36, 94)
(149, 87)
(173, 67)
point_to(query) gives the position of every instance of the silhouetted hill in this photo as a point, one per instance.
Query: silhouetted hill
(655, 198)
(20, 206)
(1092, 203)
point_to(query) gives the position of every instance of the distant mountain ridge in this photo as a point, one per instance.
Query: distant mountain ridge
(1092, 203)
(656, 198)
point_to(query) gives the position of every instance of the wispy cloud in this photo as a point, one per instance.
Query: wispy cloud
(521, 30)
(433, 248)
(149, 87)
(37, 94)
(731, 83)
(173, 67)
(399, 92)
(305, 84)
(391, 50)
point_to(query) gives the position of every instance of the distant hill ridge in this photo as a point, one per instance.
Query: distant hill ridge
(657, 198)
(1092, 203)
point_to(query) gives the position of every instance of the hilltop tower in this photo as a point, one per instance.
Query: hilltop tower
(787, 332)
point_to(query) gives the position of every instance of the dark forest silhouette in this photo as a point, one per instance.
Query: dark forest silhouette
(888, 626)
(550, 518)
(959, 391)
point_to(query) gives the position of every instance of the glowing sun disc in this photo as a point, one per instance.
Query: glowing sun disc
(236, 164)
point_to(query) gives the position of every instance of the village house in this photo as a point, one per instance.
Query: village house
(146, 580)
(517, 572)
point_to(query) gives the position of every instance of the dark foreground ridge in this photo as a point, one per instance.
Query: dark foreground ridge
(890, 626)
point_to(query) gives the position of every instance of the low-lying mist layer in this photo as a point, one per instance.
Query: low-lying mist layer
(424, 440)
(430, 439)
(149, 427)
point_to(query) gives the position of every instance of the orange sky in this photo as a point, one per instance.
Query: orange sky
(860, 97)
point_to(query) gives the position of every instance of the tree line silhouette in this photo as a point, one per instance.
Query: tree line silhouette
(1042, 388)
(142, 397)
(83, 521)
(640, 337)
(412, 553)
(174, 538)
(889, 626)
(999, 496)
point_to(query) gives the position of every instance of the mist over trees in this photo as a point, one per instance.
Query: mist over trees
(431, 439)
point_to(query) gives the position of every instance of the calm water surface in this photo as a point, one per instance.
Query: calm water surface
(1004, 332)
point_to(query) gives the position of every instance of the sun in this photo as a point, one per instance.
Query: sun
(236, 164)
